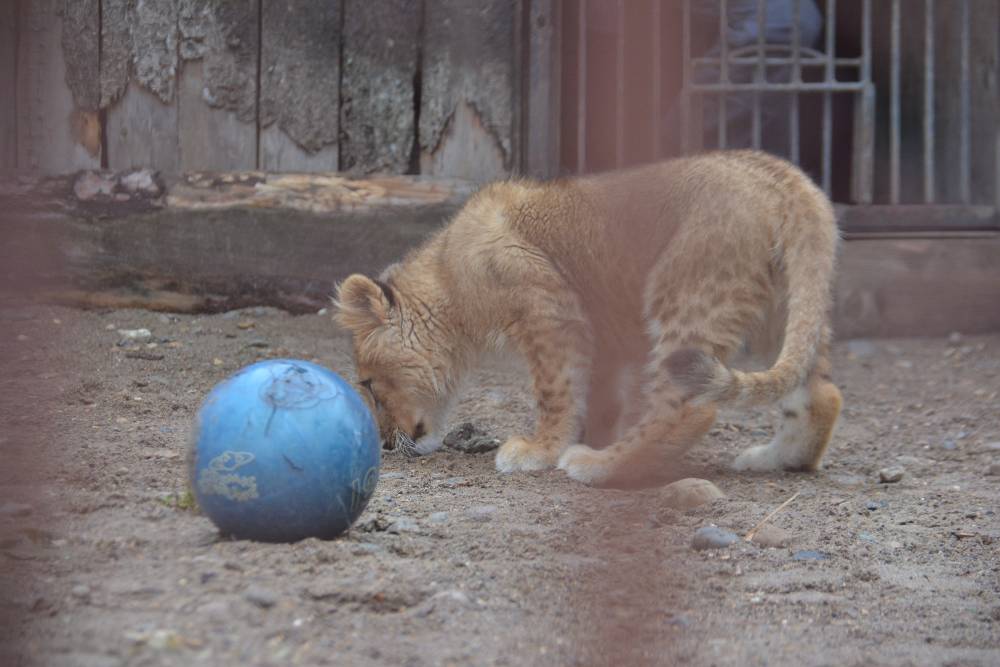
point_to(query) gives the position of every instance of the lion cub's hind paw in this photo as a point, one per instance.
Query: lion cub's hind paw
(590, 466)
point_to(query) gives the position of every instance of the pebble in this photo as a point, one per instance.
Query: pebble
(861, 349)
(454, 482)
(994, 470)
(809, 555)
(391, 475)
(891, 474)
(872, 505)
(259, 343)
(260, 597)
(689, 492)
(135, 334)
(15, 509)
(712, 537)
(954, 338)
(91, 184)
(770, 536)
(481, 513)
(438, 517)
(402, 524)
(81, 592)
(993, 446)
(949, 445)
(867, 537)
(470, 439)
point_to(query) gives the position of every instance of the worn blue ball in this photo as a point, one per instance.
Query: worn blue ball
(284, 450)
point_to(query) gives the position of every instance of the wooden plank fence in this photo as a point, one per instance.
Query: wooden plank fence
(393, 86)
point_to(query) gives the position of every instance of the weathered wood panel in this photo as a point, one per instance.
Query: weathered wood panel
(300, 75)
(8, 83)
(217, 90)
(380, 59)
(139, 64)
(466, 114)
(53, 134)
(143, 132)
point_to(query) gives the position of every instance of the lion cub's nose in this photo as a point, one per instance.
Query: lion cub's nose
(419, 431)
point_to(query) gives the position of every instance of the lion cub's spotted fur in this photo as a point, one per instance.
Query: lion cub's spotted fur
(626, 293)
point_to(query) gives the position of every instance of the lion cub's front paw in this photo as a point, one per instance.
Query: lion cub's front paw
(518, 454)
(590, 466)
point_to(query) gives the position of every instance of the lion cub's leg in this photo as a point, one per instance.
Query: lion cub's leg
(555, 341)
(808, 416)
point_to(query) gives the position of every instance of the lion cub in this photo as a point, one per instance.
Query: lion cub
(626, 293)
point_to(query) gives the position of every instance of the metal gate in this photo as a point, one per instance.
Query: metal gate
(894, 103)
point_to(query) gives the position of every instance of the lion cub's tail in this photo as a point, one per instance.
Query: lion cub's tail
(807, 248)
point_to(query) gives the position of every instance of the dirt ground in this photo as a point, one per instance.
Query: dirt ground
(104, 563)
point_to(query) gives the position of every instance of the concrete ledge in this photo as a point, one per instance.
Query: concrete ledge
(204, 242)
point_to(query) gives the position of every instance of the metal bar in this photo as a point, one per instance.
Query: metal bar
(827, 140)
(774, 87)
(866, 41)
(793, 107)
(965, 144)
(894, 108)
(620, 84)
(581, 88)
(813, 61)
(830, 76)
(723, 72)
(686, 77)
(831, 39)
(929, 101)
(760, 73)
(796, 43)
(657, 83)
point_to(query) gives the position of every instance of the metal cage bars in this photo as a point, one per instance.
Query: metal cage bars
(801, 59)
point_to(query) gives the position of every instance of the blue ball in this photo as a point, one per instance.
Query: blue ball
(284, 450)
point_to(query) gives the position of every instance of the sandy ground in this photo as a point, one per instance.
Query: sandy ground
(103, 564)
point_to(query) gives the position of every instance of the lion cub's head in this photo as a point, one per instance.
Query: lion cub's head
(404, 370)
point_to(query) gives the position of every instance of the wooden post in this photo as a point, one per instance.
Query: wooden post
(544, 71)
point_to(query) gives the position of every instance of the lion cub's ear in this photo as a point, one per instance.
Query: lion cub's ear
(363, 304)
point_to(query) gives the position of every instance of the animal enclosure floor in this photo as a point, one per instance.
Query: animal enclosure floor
(104, 564)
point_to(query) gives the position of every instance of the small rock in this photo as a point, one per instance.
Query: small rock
(904, 363)
(954, 338)
(391, 475)
(322, 312)
(217, 362)
(259, 343)
(91, 184)
(872, 505)
(993, 446)
(809, 555)
(891, 474)
(867, 537)
(402, 524)
(438, 517)
(712, 537)
(678, 620)
(994, 470)
(770, 536)
(690, 492)
(949, 445)
(861, 349)
(246, 324)
(135, 334)
(454, 482)
(481, 513)
(22, 337)
(260, 597)
(15, 509)
(141, 181)
(80, 592)
(470, 439)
